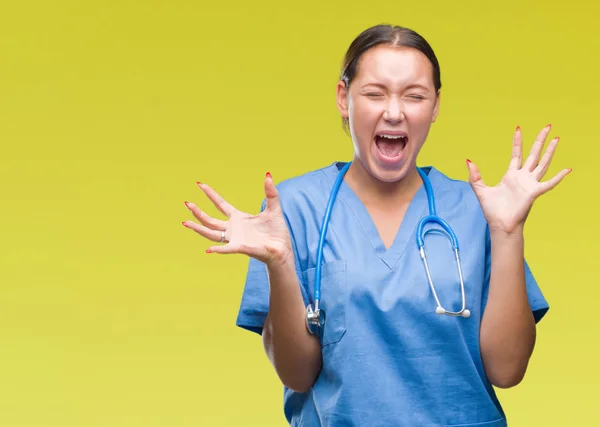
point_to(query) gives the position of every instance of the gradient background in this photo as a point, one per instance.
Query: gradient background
(111, 313)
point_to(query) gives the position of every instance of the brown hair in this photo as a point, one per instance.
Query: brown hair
(391, 35)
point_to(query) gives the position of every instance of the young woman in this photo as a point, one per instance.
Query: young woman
(399, 334)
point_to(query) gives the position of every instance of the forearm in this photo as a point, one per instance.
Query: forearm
(293, 351)
(508, 327)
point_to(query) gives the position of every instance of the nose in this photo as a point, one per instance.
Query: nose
(394, 111)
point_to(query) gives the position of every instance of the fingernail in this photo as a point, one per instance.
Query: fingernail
(187, 205)
(468, 161)
(199, 183)
(570, 170)
(208, 251)
(549, 125)
(558, 138)
(183, 223)
(518, 128)
(268, 175)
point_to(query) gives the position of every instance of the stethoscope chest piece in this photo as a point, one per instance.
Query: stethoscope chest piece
(466, 313)
(315, 319)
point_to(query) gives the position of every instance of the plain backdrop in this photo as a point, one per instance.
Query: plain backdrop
(111, 312)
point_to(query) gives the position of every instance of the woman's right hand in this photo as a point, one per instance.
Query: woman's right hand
(264, 237)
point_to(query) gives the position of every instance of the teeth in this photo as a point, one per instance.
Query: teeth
(391, 136)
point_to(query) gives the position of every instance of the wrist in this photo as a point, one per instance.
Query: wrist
(280, 256)
(514, 233)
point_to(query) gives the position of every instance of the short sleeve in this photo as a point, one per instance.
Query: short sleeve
(537, 301)
(254, 304)
(255, 298)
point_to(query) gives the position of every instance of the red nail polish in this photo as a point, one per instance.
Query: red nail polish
(208, 251)
(468, 161)
(549, 125)
(268, 175)
(187, 205)
(518, 128)
(183, 223)
(198, 183)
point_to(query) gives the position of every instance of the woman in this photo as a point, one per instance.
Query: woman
(390, 354)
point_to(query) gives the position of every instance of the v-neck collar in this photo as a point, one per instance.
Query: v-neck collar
(417, 209)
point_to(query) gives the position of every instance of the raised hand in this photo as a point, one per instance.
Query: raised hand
(507, 205)
(264, 237)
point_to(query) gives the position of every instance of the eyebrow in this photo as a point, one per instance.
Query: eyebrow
(411, 86)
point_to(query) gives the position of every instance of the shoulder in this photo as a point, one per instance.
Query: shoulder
(313, 179)
(310, 188)
(456, 196)
(452, 188)
(450, 183)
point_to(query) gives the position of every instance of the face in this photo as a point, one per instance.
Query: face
(390, 106)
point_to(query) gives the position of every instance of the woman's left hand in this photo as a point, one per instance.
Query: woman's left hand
(507, 205)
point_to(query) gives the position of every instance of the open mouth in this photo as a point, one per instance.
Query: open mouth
(391, 145)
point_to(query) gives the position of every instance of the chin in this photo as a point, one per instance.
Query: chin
(387, 175)
(391, 171)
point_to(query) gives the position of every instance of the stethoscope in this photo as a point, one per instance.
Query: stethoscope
(315, 317)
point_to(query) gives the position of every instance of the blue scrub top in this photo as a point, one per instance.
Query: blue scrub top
(388, 358)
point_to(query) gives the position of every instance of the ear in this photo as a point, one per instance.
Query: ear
(436, 108)
(342, 98)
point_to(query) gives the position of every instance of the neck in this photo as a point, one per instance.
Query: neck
(380, 194)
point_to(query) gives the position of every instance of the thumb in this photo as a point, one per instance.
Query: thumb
(271, 193)
(475, 177)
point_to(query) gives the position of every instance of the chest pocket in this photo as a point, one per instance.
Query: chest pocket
(333, 298)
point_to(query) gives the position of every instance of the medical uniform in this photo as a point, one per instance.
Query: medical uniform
(388, 358)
